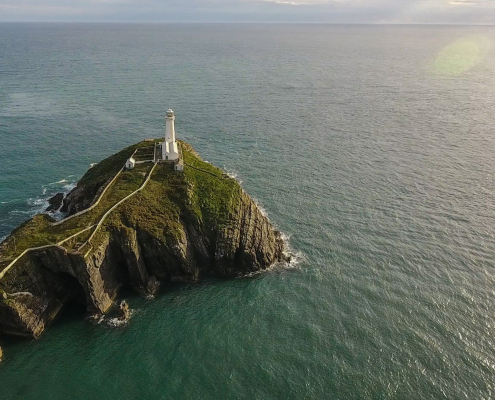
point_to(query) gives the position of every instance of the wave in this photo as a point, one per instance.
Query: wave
(57, 215)
(260, 207)
(70, 180)
(69, 187)
(116, 322)
(111, 321)
(37, 205)
(58, 182)
(296, 259)
(233, 175)
(7, 202)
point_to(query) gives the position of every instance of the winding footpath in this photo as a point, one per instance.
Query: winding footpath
(99, 198)
(59, 244)
(118, 204)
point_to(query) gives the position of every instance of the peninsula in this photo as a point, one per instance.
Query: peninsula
(153, 212)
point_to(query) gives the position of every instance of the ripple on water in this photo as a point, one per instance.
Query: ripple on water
(379, 172)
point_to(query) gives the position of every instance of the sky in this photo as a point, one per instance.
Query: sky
(329, 11)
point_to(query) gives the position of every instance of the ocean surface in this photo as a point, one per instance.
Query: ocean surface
(371, 147)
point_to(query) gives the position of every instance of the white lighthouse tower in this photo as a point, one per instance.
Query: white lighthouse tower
(169, 146)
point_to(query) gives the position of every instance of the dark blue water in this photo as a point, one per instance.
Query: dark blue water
(372, 147)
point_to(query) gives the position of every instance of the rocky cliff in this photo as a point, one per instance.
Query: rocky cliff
(180, 227)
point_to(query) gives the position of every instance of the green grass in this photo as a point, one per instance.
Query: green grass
(153, 210)
(145, 153)
(106, 169)
(38, 231)
(215, 196)
(203, 193)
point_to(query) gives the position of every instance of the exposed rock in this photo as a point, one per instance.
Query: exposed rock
(182, 227)
(124, 312)
(80, 198)
(55, 202)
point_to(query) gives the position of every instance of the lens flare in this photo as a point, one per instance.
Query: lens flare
(462, 55)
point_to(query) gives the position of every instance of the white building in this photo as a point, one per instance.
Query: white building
(169, 146)
(130, 163)
(179, 166)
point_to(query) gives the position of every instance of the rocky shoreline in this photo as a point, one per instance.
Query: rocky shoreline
(182, 227)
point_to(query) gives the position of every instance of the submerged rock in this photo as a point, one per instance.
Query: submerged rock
(179, 227)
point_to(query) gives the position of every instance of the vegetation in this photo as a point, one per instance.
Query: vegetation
(214, 195)
(203, 192)
(106, 169)
(153, 210)
(145, 153)
(39, 231)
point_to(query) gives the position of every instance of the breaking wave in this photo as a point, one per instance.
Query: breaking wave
(8, 202)
(233, 175)
(115, 322)
(295, 257)
(58, 182)
(260, 207)
(37, 205)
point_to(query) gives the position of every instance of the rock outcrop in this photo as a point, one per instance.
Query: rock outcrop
(181, 227)
(55, 202)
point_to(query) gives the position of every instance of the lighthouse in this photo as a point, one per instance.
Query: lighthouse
(169, 146)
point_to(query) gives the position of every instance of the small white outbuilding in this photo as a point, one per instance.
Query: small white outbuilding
(179, 166)
(130, 163)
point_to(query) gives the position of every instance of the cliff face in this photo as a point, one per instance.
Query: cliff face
(181, 227)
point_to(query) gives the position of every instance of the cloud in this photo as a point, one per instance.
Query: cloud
(471, 2)
(345, 11)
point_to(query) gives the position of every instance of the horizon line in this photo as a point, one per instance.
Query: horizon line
(249, 22)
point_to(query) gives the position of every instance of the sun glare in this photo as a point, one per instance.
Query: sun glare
(462, 55)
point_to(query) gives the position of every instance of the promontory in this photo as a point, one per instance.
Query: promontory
(153, 212)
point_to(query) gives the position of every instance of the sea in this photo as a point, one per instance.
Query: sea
(371, 147)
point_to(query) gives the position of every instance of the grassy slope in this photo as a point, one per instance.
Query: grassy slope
(106, 169)
(38, 230)
(205, 193)
(214, 196)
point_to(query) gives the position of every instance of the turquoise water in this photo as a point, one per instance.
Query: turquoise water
(376, 160)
